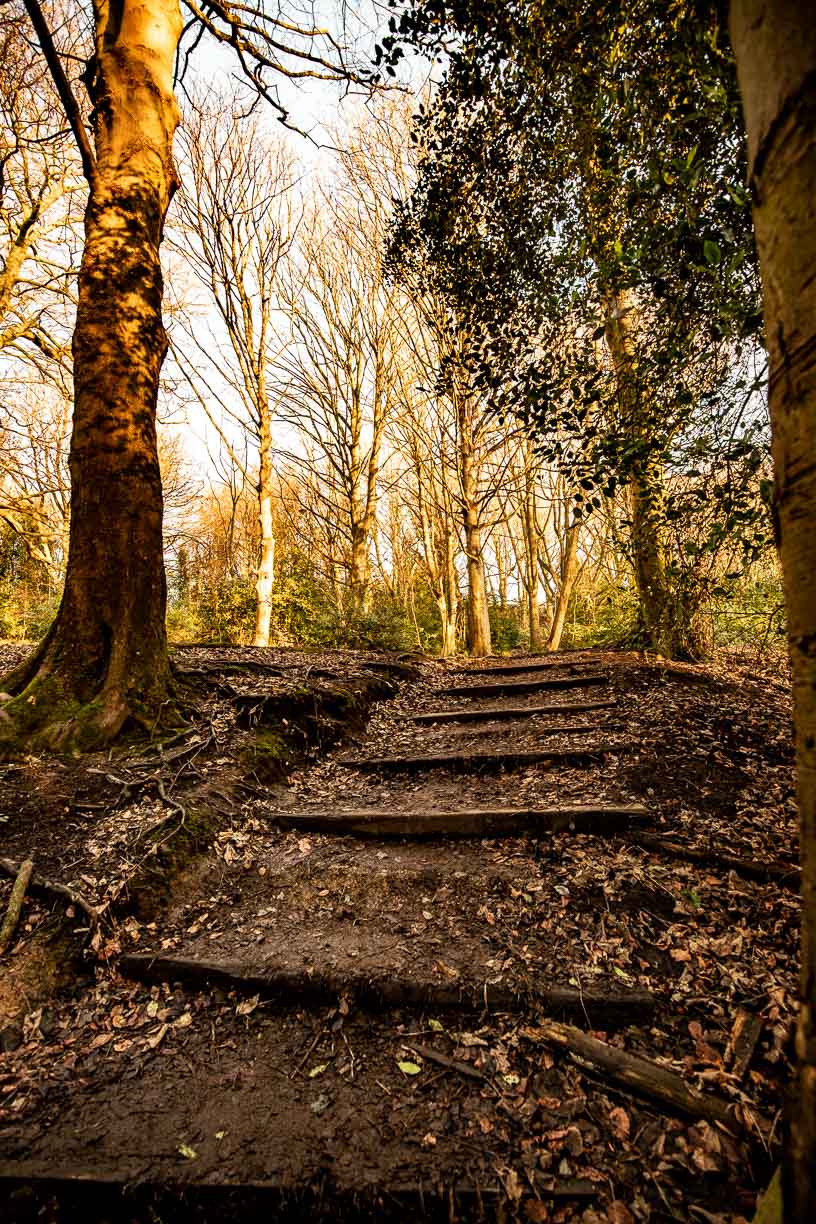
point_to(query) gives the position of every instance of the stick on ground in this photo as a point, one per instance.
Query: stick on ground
(51, 888)
(640, 1075)
(15, 904)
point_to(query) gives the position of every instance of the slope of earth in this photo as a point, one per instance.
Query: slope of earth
(359, 1024)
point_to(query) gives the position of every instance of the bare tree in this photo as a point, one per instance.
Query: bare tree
(235, 226)
(105, 657)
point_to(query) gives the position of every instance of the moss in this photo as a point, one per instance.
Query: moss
(270, 755)
(176, 846)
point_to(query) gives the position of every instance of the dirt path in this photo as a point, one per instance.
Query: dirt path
(352, 1023)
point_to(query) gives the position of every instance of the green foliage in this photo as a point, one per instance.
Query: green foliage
(506, 630)
(28, 601)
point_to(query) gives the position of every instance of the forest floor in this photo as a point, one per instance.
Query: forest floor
(321, 976)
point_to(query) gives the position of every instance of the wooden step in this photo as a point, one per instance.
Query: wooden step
(520, 669)
(488, 713)
(492, 822)
(510, 687)
(464, 761)
(606, 1008)
(538, 732)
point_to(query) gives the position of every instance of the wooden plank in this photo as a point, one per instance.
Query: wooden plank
(495, 822)
(521, 669)
(511, 687)
(465, 762)
(640, 1075)
(538, 733)
(606, 1008)
(488, 713)
(743, 1041)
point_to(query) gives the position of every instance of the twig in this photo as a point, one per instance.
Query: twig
(442, 1060)
(15, 904)
(38, 884)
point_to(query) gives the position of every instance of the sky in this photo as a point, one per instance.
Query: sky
(315, 107)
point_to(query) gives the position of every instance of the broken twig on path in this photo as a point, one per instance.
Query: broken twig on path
(51, 888)
(15, 904)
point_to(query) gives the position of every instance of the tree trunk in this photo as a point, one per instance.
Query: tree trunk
(531, 547)
(569, 573)
(775, 46)
(646, 489)
(266, 559)
(478, 620)
(105, 657)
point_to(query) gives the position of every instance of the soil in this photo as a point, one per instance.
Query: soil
(281, 1022)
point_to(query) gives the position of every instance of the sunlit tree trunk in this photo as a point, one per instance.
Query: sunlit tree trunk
(775, 46)
(569, 574)
(266, 548)
(105, 657)
(478, 621)
(646, 489)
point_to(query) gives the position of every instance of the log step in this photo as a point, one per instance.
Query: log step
(464, 762)
(495, 822)
(521, 669)
(539, 732)
(606, 1008)
(510, 687)
(488, 713)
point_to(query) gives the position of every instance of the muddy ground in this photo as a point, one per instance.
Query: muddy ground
(275, 1020)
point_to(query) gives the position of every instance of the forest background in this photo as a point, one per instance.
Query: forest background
(361, 447)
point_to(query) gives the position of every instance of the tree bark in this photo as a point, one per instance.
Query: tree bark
(266, 558)
(775, 47)
(478, 620)
(569, 573)
(105, 657)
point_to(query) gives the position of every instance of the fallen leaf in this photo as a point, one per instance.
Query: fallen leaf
(409, 1068)
(248, 1006)
(187, 1152)
(621, 1124)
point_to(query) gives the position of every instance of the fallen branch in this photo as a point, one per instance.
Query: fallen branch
(753, 869)
(51, 888)
(15, 904)
(642, 1076)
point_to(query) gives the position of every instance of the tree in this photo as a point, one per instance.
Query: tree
(335, 376)
(548, 227)
(105, 658)
(775, 47)
(235, 227)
